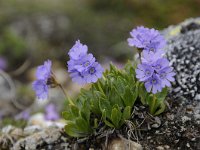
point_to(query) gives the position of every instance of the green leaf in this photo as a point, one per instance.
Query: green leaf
(159, 102)
(151, 100)
(162, 95)
(126, 113)
(85, 110)
(67, 115)
(104, 114)
(142, 93)
(74, 110)
(83, 125)
(113, 68)
(109, 124)
(72, 129)
(161, 109)
(115, 97)
(95, 101)
(130, 96)
(116, 116)
(105, 105)
(127, 96)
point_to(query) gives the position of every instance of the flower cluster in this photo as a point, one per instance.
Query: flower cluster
(154, 69)
(147, 39)
(82, 66)
(43, 75)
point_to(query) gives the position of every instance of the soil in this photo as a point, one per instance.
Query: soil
(176, 129)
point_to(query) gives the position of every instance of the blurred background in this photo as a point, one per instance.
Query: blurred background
(32, 31)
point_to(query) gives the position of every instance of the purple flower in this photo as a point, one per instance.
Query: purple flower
(51, 113)
(44, 71)
(166, 75)
(150, 57)
(156, 75)
(90, 75)
(138, 37)
(160, 64)
(82, 66)
(78, 50)
(3, 63)
(41, 89)
(154, 70)
(153, 84)
(144, 72)
(77, 77)
(147, 39)
(43, 74)
(94, 72)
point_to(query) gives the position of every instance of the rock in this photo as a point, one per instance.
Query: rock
(9, 135)
(188, 145)
(7, 129)
(48, 136)
(39, 120)
(123, 144)
(167, 146)
(157, 124)
(170, 116)
(197, 116)
(32, 129)
(183, 51)
(17, 133)
(185, 119)
(160, 148)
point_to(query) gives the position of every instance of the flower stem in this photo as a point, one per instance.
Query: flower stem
(152, 109)
(61, 87)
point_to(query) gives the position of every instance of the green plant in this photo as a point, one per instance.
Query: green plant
(109, 101)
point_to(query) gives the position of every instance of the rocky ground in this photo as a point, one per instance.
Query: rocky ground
(177, 128)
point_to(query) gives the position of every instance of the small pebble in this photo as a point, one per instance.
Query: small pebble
(160, 148)
(188, 145)
(185, 119)
(167, 146)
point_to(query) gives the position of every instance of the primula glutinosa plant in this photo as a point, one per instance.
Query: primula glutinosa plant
(110, 100)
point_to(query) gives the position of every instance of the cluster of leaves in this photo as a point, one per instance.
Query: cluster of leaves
(109, 101)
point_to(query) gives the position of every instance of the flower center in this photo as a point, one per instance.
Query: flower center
(152, 49)
(92, 70)
(87, 63)
(158, 67)
(147, 73)
(162, 75)
(154, 81)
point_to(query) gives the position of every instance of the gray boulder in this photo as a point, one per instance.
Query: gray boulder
(183, 51)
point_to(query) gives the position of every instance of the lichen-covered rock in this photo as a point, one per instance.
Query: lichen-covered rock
(36, 141)
(183, 51)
